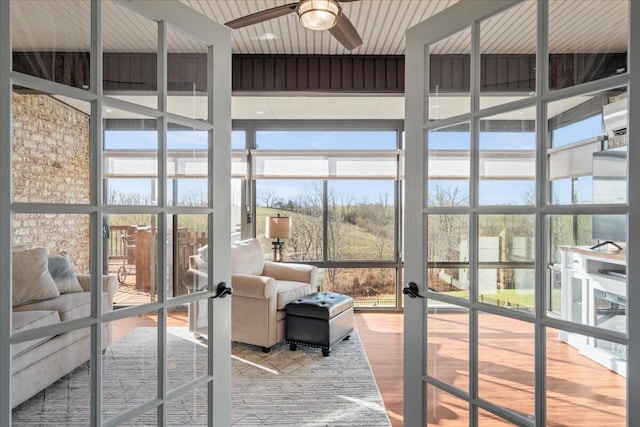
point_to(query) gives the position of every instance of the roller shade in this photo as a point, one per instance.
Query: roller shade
(509, 165)
(572, 161)
(278, 164)
(180, 164)
(129, 165)
(239, 165)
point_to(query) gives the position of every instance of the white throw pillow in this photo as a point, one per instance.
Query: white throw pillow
(63, 275)
(31, 278)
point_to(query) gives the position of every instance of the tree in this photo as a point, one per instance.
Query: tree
(133, 199)
(193, 199)
(378, 220)
(454, 195)
(446, 232)
(306, 217)
(268, 198)
(116, 198)
(356, 229)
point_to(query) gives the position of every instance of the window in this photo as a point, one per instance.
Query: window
(302, 200)
(339, 187)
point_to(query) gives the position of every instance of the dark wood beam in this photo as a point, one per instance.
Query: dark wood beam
(251, 74)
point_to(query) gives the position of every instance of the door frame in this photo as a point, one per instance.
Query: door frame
(181, 18)
(468, 14)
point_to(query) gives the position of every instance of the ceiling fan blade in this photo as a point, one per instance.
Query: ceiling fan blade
(263, 15)
(346, 33)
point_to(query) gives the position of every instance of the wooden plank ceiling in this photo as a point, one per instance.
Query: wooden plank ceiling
(574, 28)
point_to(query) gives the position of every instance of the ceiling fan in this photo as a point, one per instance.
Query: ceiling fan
(313, 14)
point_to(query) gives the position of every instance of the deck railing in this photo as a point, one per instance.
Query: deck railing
(121, 239)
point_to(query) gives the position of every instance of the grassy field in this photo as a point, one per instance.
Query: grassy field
(353, 243)
(514, 298)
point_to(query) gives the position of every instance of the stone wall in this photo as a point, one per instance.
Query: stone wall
(51, 165)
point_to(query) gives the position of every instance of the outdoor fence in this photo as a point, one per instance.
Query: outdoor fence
(135, 246)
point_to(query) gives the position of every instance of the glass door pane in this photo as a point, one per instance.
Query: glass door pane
(187, 77)
(52, 40)
(508, 55)
(130, 65)
(449, 166)
(85, 220)
(529, 241)
(449, 69)
(586, 43)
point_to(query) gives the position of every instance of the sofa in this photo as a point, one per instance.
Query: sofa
(38, 363)
(261, 290)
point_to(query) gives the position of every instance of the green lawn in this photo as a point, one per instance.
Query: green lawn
(514, 297)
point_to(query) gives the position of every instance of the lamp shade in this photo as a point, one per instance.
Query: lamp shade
(278, 227)
(318, 14)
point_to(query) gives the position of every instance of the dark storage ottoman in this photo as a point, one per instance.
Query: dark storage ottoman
(319, 320)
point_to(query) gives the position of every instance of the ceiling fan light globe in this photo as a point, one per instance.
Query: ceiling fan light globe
(318, 20)
(318, 15)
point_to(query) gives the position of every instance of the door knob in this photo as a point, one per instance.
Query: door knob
(223, 290)
(412, 290)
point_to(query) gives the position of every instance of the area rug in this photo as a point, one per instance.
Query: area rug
(280, 388)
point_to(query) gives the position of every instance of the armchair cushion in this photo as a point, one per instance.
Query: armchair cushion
(294, 272)
(289, 291)
(261, 287)
(247, 257)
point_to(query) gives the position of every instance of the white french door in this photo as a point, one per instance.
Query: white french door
(498, 189)
(155, 129)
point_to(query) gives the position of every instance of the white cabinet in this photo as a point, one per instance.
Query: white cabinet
(594, 292)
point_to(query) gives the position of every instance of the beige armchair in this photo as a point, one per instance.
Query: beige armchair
(261, 290)
(195, 280)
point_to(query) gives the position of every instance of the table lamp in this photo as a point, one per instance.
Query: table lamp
(278, 227)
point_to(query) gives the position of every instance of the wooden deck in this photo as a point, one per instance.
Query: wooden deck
(127, 293)
(580, 392)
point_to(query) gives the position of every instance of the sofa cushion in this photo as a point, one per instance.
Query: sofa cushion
(51, 346)
(247, 257)
(69, 306)
(289, 291)
(26, 320)
(31, 278)
(62, 273)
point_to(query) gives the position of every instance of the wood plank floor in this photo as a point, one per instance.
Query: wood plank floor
(580, 392)
(382, 337)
